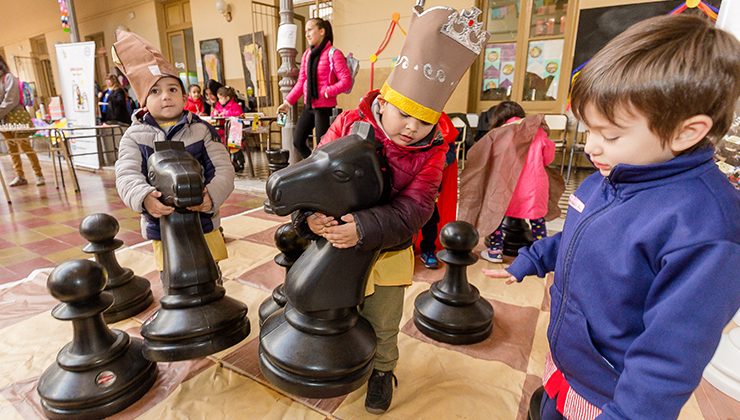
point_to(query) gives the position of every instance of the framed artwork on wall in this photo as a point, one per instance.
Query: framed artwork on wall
(253, 51)
(212, 57)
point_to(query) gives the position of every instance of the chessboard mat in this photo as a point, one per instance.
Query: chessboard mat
(493, 379)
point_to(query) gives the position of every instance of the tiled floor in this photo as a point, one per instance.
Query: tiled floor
(40, 228)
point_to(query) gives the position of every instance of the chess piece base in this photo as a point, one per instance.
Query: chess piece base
(91, 394)
(191, 332)
(466, 324)
(327, 365)
(129, 299)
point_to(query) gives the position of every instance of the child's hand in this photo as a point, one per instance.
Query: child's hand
(500, 274)
(343, 236)
(318, 223)
(155, 207)
(206, 205)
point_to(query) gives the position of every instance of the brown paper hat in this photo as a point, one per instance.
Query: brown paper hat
(141, 62)
(441, 45)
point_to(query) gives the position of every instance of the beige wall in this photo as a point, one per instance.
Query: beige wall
(359, 27)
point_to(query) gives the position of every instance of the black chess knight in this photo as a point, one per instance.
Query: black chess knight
(326, 284)
(101, 371)
(452, 310)
(196, 318)
(131, 294)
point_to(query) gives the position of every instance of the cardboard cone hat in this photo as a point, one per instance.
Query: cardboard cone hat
(141, 62)
(441, 45)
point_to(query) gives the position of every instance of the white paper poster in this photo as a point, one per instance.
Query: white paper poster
(77, 77)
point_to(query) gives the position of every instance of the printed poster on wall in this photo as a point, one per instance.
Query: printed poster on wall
(77, 78)
(543, 66)
(498, 70)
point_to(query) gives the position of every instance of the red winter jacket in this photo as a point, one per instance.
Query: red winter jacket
(196, 107)
(330, 82)
(416, 173)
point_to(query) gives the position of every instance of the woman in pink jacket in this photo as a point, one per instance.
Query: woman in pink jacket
(324, 75)
(529, 200)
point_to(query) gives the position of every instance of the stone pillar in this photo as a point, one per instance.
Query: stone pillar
(74, 32)
(288, 72)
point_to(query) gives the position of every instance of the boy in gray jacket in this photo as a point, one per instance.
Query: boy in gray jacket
(162, 118)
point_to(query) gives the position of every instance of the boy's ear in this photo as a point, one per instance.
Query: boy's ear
(382, 102)
(690, 132)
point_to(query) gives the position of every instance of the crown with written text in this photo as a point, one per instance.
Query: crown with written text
(441, 45)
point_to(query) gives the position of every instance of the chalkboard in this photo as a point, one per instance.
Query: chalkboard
(598, 26)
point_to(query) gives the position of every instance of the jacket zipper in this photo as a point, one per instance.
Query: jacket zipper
(567, 264)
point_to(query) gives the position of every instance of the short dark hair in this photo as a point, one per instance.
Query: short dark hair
(669, 69)
(194, 85)
(326, 26)
(227, 91)
(499, 114)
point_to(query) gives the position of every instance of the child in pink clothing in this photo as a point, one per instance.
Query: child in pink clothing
(227, 106)
(530, 197)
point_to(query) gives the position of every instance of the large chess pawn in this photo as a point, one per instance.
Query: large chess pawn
(101, 371)
(516, 234)
(452, 311)
(131, 294)
(291, 246)
(276, 160)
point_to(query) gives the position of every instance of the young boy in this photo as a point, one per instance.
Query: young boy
(647, 265)
(163, 119)
(404, 114)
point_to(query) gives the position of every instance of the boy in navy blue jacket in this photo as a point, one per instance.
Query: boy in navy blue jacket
(647, 267)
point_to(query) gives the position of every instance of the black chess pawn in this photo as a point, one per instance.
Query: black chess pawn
(131, 294)
(516, 234)
(291, 246)
(101, 371)
(276, 160)
(452, 311)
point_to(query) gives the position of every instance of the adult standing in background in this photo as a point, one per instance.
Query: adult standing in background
(116, 99)
(12, 112)
(323, 76)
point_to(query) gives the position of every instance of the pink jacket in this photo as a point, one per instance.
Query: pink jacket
(231, 109)
(331, 83)
(529, 200)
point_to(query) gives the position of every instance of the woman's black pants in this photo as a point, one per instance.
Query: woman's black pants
(310, 118)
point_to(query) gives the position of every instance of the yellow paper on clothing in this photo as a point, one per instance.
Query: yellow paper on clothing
(394, 268)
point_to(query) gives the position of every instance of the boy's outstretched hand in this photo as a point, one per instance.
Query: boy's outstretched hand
(500, 274)
(343, 236)
(206, 205)
(155, 207)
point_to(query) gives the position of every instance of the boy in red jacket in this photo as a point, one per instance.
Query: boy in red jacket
(404, 114)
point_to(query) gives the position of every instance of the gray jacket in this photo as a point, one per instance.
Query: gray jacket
(201, 141)
(10, 94)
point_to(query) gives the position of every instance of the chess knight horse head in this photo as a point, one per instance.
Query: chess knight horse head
(326, 285)
(339, 178)
(176, 174)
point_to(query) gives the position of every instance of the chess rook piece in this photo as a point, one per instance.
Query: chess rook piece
(101, 371)
(291, 246)
(196, 317)
(131, 294)
(516, 234)
(325, 286)
(276, 160)
(452, 311)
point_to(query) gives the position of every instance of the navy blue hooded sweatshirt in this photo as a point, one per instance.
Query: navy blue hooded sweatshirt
(647, 274)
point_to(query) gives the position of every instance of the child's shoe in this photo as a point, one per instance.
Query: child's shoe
(430, 260)
(40, 181)
(380, 391)
(492, 255)
(17, 182)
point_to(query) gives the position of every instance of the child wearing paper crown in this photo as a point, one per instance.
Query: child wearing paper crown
(162, 118)
(647, 267)
(405, 115)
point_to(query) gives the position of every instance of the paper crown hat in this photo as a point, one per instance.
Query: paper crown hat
(141, 62)
(441, 45)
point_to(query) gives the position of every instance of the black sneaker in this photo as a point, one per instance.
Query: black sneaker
(380, 391)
